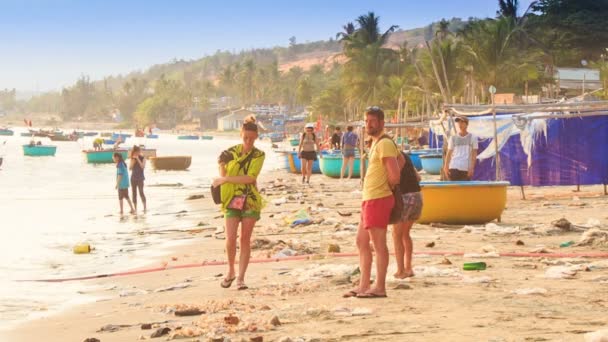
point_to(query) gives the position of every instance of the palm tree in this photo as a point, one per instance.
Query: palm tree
(508, 8)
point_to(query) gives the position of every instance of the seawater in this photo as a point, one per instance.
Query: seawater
(50, 204)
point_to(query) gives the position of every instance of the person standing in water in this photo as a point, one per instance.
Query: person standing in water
(307, 151)
(137, 166)
(239, 167)
(122, 181)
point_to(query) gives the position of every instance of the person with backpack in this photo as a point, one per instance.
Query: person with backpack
(241, 201)
(409, 183)
(307, 151)
(350, 140)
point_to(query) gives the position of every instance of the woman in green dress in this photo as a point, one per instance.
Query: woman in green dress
(239, 167)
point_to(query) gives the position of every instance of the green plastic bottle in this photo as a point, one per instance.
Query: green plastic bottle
(474, 266)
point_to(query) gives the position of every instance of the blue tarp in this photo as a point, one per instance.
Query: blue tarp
(575, 151)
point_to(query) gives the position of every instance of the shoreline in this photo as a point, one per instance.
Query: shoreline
(307, 298)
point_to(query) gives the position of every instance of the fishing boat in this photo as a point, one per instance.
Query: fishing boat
(26, 134)
(61, 137)
(187, 137)
(206, 137)
(276, 137)
(294, 142)
(331, 165)
(152, 136)
(123, 136)
(294, 164)
(109, 141)
(39, 150)
(475, 202)
(178, 163)
(90, 134)
(415, 157)
(6, 132)
(104, 156)
(432, 163)
(105, 135)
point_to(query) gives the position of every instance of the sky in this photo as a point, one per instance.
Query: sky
(47, 44)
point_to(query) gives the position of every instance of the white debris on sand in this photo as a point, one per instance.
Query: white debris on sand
(431, 271)
(491, 229)
(593, 237)
(316, 272)
(477, 280)
(561, 272)
(530, 291)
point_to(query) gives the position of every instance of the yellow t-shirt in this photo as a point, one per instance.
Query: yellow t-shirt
(376, 179)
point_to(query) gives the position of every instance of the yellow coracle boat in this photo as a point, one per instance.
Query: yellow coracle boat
(472, 202)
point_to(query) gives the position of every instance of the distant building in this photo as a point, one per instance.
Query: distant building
(578, 78)
(233, 120)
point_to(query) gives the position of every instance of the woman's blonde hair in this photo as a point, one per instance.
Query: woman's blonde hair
(249, 124)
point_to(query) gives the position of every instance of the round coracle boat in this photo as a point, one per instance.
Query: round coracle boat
(178, 163)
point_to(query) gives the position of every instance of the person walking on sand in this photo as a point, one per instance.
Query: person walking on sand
(307, 151)
(462, 153)
(122, 181)
(137, 166)
(350, 140)
(412, 208)
(239, 167)
(382, 175)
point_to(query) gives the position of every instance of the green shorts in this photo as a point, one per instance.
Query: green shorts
(233, 213)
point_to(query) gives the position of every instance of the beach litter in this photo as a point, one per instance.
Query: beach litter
(561, 272)
(430, 272)
(173, 287)
(491, 229)
(285, 252)
(132, 292)
(347, 312)
(477, 280)
(530, 291)
(317, 272)
(160, 332)
(593, 237)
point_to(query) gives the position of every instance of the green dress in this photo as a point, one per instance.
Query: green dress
(237, 167)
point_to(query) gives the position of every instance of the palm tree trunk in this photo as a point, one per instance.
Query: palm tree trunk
(439, 82)
(445, 74)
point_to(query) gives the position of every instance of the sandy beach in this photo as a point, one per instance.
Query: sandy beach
(523, 298)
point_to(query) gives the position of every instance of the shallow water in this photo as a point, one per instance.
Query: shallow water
(49, 204)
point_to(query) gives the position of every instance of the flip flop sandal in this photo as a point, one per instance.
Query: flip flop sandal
(370, 295)
(242, 287)
(226, 283)
(350, 294)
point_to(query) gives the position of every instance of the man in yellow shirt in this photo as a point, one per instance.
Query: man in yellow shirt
(382, 175)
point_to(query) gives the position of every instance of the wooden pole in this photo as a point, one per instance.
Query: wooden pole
(496, 141)
(523, 194)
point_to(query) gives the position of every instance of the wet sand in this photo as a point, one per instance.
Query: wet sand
(304, 296)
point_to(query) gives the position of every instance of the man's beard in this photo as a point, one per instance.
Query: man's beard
(372, 131)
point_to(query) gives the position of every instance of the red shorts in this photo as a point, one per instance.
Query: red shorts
(376, 213)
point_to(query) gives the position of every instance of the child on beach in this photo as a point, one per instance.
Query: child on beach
(122, 181)
(240, 166)
(137, 166)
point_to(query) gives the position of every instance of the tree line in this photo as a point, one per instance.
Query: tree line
(517, 51)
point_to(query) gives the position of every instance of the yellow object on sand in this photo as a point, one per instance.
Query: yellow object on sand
(462, 202)
(83, 248)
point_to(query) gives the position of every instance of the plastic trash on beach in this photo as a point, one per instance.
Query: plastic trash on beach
(490, 229)
(300, 222)
(431, 271)
(173, 287)
(561, 272)
(279, 201)
(285, 252)
(316, 271)
(593, 237)
(530, 291)
(301, 217)
(131, 292)
(348, 312)
(592, 223)
(597, 336)
(477, 280)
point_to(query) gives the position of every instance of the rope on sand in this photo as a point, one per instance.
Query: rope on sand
(307, 257)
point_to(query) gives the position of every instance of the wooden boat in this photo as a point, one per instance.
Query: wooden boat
(331, 165)
(104, 156)
(6, 132)
(39, 150)
(187, 137)
(432, 163)
(463, 202)
(90, 134)
(61, 137)
(26, 134)
(206, 137)
(152, 136)
(171, 162)
(415, 157)
(123, 136)
(295, 164)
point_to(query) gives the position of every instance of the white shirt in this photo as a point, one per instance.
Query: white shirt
(461, 151)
